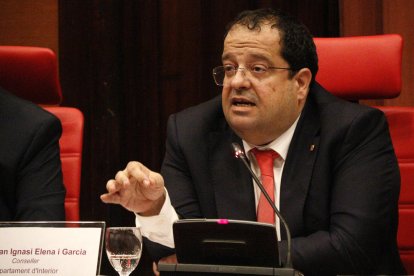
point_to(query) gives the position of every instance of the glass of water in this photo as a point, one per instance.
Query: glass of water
(124, 248)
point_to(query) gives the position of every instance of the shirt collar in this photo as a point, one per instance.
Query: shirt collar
(279, 145)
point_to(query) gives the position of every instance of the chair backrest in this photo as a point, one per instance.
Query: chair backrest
(32, 73)
(369, 67)
(360, 67)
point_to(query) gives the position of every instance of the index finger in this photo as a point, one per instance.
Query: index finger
(138, 171)
(122, 177)
(113, 186)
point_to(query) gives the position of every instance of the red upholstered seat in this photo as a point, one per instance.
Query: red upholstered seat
(71, 156)
(369, 67)
(401, 121)
(32, 73)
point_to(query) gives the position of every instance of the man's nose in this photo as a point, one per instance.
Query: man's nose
(240, 79)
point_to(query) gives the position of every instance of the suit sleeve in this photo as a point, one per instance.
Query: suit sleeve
(364, 193)
(177, 174)
(40, 190)
(178, 181)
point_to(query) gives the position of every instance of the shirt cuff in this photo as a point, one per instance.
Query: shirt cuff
(159, 228)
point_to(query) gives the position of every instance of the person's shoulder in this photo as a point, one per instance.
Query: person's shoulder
(328, 102)
(21, 107)
(21, 111)
(335, 112)
(200, 118)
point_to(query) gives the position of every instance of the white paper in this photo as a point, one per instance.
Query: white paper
(49, 251)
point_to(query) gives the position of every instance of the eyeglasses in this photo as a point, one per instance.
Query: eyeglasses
(225, 73)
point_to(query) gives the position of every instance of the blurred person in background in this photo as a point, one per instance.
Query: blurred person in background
(31, 186)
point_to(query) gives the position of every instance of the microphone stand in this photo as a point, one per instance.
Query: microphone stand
(239, 154)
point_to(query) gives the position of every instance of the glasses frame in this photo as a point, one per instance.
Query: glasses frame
(216, 72)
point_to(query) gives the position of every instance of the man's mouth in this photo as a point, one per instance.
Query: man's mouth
(242, 102)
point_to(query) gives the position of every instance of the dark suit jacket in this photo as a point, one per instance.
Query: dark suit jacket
(31, 185)
(339, 200)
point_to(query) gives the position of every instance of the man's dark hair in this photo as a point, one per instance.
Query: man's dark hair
(297, 46)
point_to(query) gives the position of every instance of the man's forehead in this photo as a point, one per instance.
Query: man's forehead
(240, 38)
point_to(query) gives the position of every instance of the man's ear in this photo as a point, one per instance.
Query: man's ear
(303, 79)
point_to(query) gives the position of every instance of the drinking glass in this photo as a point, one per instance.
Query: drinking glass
(123, 247)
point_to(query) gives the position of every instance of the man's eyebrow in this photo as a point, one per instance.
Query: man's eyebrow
(226, 56)
(261, 57)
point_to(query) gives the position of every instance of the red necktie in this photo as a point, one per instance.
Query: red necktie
(265, 159)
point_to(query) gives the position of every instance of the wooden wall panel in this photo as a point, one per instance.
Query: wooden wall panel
(29, 23)
(371, 17)
(398, 18)
(354, 12)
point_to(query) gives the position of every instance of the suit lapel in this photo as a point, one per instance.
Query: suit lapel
(232, 184)
(298, 168)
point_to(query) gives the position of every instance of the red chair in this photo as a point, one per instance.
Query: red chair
(401, 121)
(369, 67)
(31, 73)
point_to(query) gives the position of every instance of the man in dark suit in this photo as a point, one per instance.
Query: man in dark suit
(31, 187)
(336, 175)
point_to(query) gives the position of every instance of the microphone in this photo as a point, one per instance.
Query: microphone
(239, 154)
